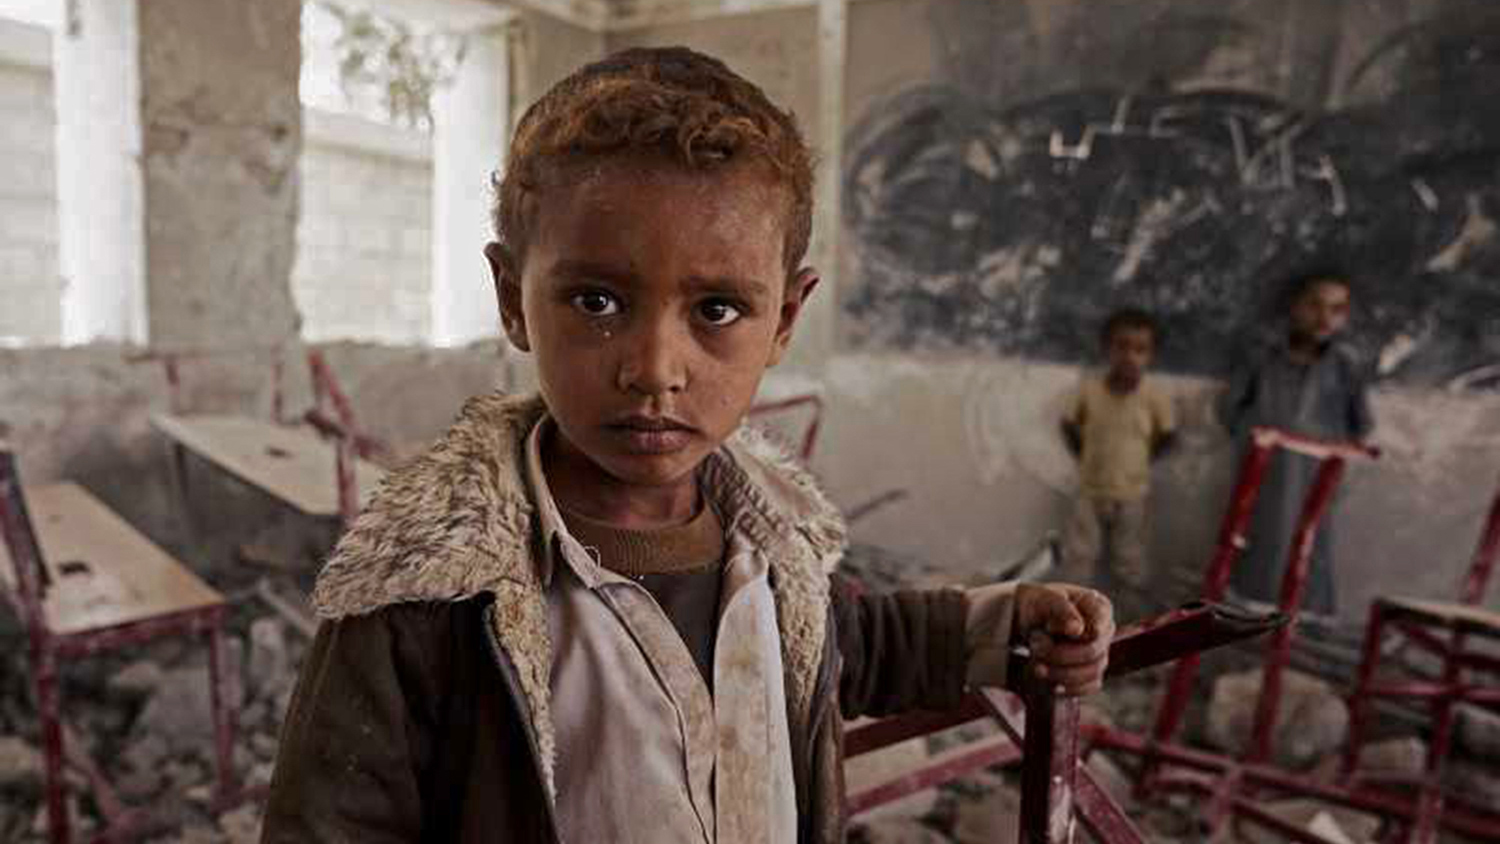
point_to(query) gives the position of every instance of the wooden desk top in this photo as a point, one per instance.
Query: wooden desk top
(103, 571)
(292, 463)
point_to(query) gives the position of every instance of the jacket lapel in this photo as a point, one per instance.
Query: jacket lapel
(458, 522)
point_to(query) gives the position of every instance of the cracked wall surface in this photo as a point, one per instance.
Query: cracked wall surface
(222, 134)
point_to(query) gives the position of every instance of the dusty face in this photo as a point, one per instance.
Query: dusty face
(1130, 350)
(1321, 311)
(654, 299)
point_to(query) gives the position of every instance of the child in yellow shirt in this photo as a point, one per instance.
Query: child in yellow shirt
(1118, 424)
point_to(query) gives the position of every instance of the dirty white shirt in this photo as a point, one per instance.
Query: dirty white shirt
(645, 753)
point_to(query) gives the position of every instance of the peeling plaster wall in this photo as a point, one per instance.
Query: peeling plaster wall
(223, 132)
(775, 50)
(988, 476)
(545, 51)
(968, 433)
(985, 384)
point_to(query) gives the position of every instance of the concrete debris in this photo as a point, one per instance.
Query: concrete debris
(1313, 718)
(1476, 783)
(995, 816)
(896, 831)
(181, 710)
(147, 724)
(20, 763)
(138, 678)
(1394, 757)
(269, 659)
(1334, 823)
(1478, 730)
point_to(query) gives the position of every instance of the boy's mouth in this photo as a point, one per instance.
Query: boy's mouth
(652, 434)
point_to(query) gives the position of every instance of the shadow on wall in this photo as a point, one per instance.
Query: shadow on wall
(995, 224)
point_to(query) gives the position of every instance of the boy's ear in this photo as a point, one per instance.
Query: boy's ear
(797, 290)
(508, 293)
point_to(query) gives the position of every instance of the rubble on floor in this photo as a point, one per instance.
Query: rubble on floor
(144, 718)
(1313, 720)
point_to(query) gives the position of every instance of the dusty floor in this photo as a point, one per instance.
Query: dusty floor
(144, 716)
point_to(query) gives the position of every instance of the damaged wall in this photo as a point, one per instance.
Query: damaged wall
(995, 212)
(223, 139)
(223, 132)
(984, 455)
(978, 259)
(776, 50)
(1191, 166)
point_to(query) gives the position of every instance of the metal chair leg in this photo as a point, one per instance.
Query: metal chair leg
(223, 714)
(1359, 703)
(49, 711)
(1430, 803)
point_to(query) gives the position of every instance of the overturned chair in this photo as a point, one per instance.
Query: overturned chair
(83, 581)
(1042, 730)
(1448, 632)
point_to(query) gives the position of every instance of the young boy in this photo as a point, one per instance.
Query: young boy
(1310, 385)
(605, 614)
(1118, 424)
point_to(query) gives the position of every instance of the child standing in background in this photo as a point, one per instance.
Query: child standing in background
(1309, 384)
(1118, 424)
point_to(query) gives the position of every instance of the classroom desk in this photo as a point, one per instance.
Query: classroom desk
(292, 463)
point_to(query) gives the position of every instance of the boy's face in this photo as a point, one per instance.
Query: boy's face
(1130, 350)
(1321, 311)
(654, 299)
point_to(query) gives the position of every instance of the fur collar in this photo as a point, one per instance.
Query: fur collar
(458, 522)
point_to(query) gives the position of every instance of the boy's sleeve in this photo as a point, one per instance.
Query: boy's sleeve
(349, 763)
(989, 629)
(1361, 417)
(901, 650)
(1238, 397)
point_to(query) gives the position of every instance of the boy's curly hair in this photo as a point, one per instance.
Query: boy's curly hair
(686, 106)
(1129, 318)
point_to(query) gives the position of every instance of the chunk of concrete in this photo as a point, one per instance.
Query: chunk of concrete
(270, 665)
(1476, 783)
(1478, 730)
(896, 831)
(1334, 823)
(995, 816)
(180, 710)
(1312, 723)
(20, 763)
(137, 678)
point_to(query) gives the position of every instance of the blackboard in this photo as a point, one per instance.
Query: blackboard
(1014, 228)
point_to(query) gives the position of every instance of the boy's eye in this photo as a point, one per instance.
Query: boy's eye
(718, 313)
(596, 303)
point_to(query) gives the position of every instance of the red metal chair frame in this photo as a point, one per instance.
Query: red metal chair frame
(1442, 631)
(1236, 786)
(814, 424)
(1043, 731)
(349, 440)
(48, 649)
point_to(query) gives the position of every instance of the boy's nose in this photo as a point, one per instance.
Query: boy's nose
(652, 362)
